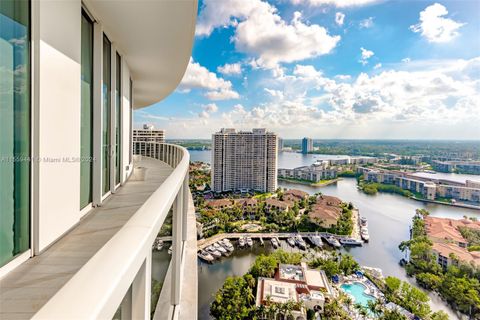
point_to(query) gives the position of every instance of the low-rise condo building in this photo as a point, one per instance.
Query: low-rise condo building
(293, 283)
(244, 160)
(315, 173)
(467, 167)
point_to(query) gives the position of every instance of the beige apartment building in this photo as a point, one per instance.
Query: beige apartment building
(148, 138)
(244, 160)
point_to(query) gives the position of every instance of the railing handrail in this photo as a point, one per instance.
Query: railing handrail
(97, 289)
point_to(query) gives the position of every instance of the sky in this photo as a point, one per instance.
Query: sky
(329, 69)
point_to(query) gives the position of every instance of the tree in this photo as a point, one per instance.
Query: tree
(264, 266)
(348, 265)
(439, 315)
(233, 300)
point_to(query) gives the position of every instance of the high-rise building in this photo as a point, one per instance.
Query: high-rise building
(307, 145)
(79, 213)
(244, 160)
(280, 144)
(147, 137)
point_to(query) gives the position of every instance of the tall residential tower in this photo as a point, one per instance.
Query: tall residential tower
(244, 160)
(307, 145)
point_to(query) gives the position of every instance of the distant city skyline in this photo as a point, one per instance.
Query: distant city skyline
(330, 70)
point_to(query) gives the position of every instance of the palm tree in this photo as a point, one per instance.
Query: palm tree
(362, 311)
(375, 307)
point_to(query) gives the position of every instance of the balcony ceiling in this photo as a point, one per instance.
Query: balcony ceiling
(155, 37)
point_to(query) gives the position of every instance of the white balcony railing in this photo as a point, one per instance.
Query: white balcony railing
(119, 274)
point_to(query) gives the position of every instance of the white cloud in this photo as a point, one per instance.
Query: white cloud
(366, 23)
(207, 110)
(377, 66)
(199, 77)
(366, 54)
(230, 69)
(274, 93)
(343, 77)
(261, 32)
(336, 3)
(434, 27)
(406, 60)
(339, 18)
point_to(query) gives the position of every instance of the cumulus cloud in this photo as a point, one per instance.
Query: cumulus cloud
(261, 32)
(366, 54)
(366, 23)
(199, 77)
(336, 3)
(406, 60)
(434, 27)
(339, 18)
(377, 66)
(230, 69)
(207, 110)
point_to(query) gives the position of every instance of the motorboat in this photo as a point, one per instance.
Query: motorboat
(227, 245)
(158, 244)
(274, 242)
(300, 242)
(241, 242)
(261, 241)
(363, 222)
(316, 240)
(204, 255)
(214, 252)
(249, 242)
(170, 250)
(364, 234)
(291, 241)
(350, 242)
(220, 248)
(331, 240)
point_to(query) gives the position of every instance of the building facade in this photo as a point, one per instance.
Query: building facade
(149, 138)
(244, 160)
(307, 145)
(71, 74)
(314, 173)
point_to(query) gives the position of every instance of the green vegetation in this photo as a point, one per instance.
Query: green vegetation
(407, 296)
(156, 289)
(374, 187)
(307, 182)
(458, 284)
(472, 236)
(344, 264)
(348, 174)
(236, 299)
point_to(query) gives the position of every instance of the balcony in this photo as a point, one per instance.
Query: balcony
(101, 269)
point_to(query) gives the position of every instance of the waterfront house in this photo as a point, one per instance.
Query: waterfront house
(326, 211)
(248, 205)
(220, 203)
(295, 195)
(278, 205)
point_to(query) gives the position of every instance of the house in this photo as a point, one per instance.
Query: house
(220, 203)
(278, 205)
(326, 211)
(248, 205)
(295, 195)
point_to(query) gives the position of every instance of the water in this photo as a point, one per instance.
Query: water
(357, 290)
(389, 219)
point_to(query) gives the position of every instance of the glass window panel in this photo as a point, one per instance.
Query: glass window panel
(106, 91)
(118, 120)
(14, 129)
(86, 145)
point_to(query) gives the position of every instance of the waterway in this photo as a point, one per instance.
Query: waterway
(389, 218)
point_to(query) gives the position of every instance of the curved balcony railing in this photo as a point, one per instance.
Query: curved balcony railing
(119, 274)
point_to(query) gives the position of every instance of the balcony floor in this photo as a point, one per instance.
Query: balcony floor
(26, 289)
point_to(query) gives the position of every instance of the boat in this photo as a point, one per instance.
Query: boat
(249, 242)
(241, 242)
(274, 242)
(227, 245)
(350, 242)
(316, 240)
(214, 252)
(158, 244)
(170, 250)
(363, 222)
(331, 240)
(261, 241)
(204, 255)
(364, 234)
(220, 248)
(300, 242)
(291, 241)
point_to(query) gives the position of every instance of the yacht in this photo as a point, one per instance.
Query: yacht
(261, 241)
(350, 242)
(316, 240)
(364, 234)
(274, 242)
(170, 250)
(204, 255)
(249, 242)
(331, 240)
(241, 242)
(220, 248)
(214, 252)
(363, 222)
(291, 241)
(227, 245)
(300, 242)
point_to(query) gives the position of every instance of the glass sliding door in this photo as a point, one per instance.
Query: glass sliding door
(130, 96)
(118, 117)
(14, 129)
(86, 126)
(106, 93)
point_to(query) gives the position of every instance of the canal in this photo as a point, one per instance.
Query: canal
(389, 218)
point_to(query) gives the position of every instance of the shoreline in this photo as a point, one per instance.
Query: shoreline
(312, 184)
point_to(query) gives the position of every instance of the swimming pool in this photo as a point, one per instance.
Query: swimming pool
(356, 290)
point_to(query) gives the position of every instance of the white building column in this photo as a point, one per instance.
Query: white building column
(141, 291)
(177, 245)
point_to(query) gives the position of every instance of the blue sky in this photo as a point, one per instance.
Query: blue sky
(330, 69)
